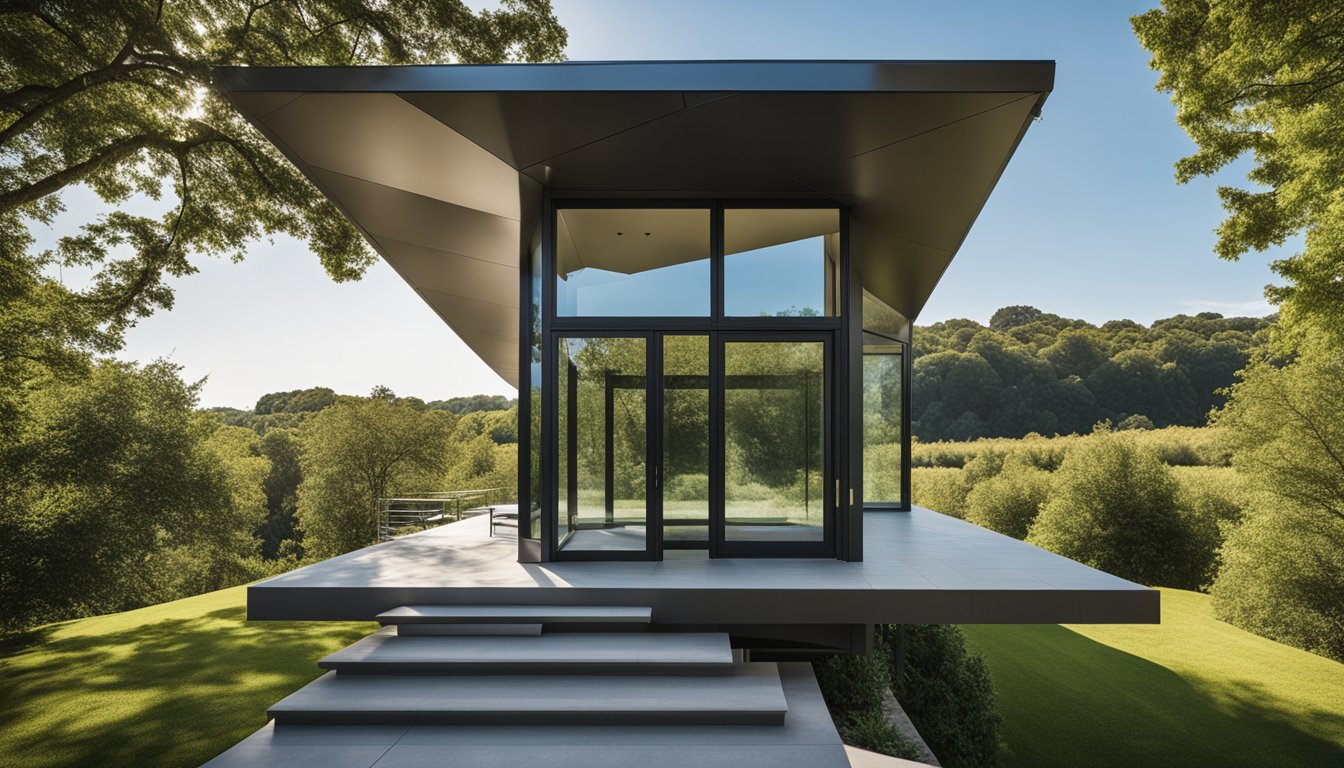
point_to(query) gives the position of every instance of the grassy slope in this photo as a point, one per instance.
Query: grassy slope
(168, 685)
(1192, 691)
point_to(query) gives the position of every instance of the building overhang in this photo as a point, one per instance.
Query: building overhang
(443, 168)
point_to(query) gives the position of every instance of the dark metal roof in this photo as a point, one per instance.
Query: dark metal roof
(443, 167)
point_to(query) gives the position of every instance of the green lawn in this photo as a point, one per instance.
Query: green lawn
(168, 685)
(1190, 692)
(175, 684)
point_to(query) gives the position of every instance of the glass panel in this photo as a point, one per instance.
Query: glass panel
(686, 439)
(781, 262)
(603, 444)
(632, 262)
(533, 528)
(881, 318)
(883, 443)
(774, 434)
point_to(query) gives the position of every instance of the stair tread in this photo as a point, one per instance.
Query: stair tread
(384, 648)
(753, 693)
(522, 614)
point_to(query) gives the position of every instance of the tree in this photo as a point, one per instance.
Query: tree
(1284, 573)
(118, 96)
(356, 452)
(1114, 508)
(108, 476)
(1265, 79)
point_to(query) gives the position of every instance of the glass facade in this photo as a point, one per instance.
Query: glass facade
(689, 380)
(781, 262)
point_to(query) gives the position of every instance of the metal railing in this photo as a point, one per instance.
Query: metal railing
(401, 515)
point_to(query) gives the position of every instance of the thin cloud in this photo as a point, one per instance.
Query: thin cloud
(1255, 308)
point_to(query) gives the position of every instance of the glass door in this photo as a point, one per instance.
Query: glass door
(603, 414)
(775, 445)
(685, 471)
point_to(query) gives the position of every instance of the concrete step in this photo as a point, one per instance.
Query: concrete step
(517, 614)
(751, 695)
(475, 630)
(626, 653)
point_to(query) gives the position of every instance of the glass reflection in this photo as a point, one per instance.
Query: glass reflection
(781, 262)
(632, 262)
(774, 441)
(602, 488)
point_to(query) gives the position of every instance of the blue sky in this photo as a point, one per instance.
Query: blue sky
(1086, 222)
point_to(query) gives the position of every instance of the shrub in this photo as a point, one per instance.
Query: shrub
(1212, 500)
(941, 489)
(855, 688)
(1009, 501)
(947, 692)
(872, 731)
(1280, 578)
(855, 683)
(1114, 508)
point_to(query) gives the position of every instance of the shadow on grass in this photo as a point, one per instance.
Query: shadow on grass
(1068, 700)
(175, 692)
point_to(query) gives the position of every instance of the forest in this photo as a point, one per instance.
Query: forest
(1032, 371)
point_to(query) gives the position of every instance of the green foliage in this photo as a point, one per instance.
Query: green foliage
(1032, 371)
(855, 683)
(295, 401)
(120, 97)
(872, 731)
(947, 693)
(356, 452)
(1113, 507)
(1009, 501)
(473, 403)
(1261, 79)
(942, 489)
(116, 493)
(1283, 573)
(1281, 578)
(856, 688)
(279, 535)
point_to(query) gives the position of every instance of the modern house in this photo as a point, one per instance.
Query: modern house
(702, 277)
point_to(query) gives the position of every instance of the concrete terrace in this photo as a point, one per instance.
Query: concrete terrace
(919, 567)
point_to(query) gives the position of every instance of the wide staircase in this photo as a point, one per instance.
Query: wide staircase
(495, 684)
(492, 665)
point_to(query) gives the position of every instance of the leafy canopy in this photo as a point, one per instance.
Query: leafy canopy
(1265, 78)
(117, 95)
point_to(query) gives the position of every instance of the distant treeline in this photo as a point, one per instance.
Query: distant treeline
(1032, 371)
(288, 409)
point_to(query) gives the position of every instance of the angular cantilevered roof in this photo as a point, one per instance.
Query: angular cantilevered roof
(443, 167)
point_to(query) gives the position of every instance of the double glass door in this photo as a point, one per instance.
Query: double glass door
(694, 441)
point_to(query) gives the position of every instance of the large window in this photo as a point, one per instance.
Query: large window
(632, 262)
(883, 431)
(781, 262)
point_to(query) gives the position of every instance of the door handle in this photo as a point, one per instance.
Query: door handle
(657, 476)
